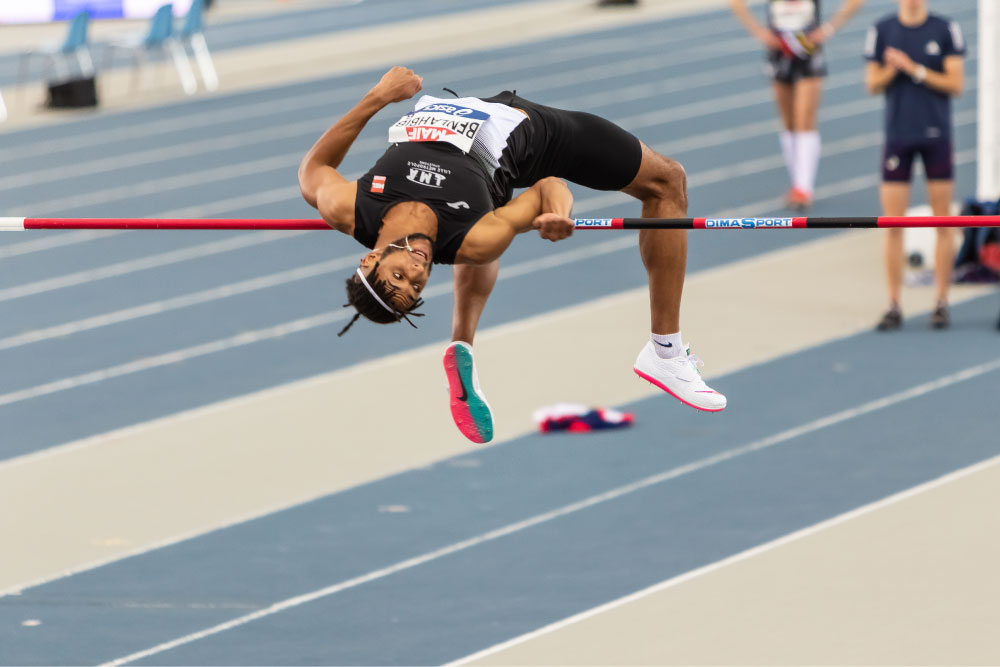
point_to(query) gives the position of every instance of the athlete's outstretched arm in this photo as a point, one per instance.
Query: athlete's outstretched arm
(545, 206)
(318, 175)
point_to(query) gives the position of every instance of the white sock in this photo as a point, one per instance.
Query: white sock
(667, 346)
(807, 146)
(788, 150)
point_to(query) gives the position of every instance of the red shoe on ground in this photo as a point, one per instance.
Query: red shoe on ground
(799, 199)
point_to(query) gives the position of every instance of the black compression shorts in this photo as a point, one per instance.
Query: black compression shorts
(787, 69)
(578, 146)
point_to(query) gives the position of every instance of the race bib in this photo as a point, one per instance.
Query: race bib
(792, 15)
(449, 123)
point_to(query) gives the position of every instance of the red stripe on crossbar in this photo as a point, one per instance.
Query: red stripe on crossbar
(940, 221)
(617, 223)
(698, 223)
(173, 223)
(800, 223)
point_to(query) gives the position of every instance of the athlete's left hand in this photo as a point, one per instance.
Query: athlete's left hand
(899, 60)
(553, 226)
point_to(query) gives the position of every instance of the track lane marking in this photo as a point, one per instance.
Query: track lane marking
(696, 179)
(209, 249)
(294, 326)
(142, 128)
(174, 303)
(735, 558)
(653, 480)
(323, 319)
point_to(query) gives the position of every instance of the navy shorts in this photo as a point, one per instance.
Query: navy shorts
(937, 156)
(786, 69)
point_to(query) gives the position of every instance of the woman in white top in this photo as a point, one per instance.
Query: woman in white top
(794, 36)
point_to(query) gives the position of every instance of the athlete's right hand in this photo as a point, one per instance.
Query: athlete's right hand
(553, 226)
(398, 84)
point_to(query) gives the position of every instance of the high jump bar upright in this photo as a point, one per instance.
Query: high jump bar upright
(16, 224)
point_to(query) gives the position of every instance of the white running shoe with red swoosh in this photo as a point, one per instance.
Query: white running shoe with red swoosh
(680, 378)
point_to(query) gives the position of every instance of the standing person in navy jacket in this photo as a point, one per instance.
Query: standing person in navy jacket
(915, 58)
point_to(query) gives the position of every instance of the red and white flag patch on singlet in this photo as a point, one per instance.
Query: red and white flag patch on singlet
(378, 184)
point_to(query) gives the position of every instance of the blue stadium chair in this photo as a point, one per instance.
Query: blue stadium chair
(193, 33)
(58, 55)
(159, 37)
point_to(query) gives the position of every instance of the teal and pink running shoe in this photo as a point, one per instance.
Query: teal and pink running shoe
(472, 414)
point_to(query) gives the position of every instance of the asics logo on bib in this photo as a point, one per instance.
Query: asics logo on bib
(746, 223)
(424, 177)
(450, 108)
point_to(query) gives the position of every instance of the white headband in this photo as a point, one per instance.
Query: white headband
(377, 298)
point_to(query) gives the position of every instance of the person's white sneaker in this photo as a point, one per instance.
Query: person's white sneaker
(679, 377)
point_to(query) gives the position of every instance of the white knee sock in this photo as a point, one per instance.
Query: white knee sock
(807, 147)
(667, 346)
(788, 150)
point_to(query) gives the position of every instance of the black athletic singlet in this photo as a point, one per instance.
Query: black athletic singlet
(450, 182)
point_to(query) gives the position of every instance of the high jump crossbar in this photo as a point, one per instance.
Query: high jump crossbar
(16, 224)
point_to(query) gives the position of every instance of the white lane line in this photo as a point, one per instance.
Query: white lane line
(278, 194)
(735, 558)
(323, 319)
(215, 174)
(727, 103)
(287, 328)
(543, 320)
(144, 129)
(174, 151)
(241, 138)
(52, 241)
(160, 185)
(689, 143)
(613, 494)
(563, 79)
(289, 193)
(143, 263)
(177, 302)
(289, 160)
(588, 74)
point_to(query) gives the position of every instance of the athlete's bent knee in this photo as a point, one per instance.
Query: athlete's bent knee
(669, 182)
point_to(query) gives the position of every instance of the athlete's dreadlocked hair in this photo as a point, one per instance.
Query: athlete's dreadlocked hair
(366, 304)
